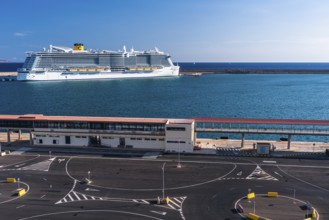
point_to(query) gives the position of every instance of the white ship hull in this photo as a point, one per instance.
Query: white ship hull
(59, 75)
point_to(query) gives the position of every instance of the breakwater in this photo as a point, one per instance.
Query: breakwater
(254, 71)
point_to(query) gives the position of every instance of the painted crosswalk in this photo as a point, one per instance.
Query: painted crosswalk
(176, 202)
(73, 196)
(260, 174)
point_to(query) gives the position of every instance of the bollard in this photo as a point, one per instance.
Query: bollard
(251, 196)
(21, 192)
(11, 180)
(167, 200)
(272, 194)
(253, 216)
(314, 215)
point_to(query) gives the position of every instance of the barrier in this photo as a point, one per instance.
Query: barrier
(11, 180)
(253, 216)
(272, 194)
(251, 196)
(21, 192)
(167, 200)
(314, 215)
(307, 219)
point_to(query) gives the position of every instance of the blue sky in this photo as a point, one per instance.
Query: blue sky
(190, 30)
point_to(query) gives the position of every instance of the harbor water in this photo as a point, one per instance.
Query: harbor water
(281, 96)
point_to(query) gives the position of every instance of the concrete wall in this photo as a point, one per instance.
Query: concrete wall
(179, 137)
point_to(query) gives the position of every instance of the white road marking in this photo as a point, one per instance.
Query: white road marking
(70, 197)
(171, 201)
(171, 206)
(269, 161)
(76, 195)
(278, 174)
(239, 173)
(44, 179)
(19, 165)
(91, 189)
(144, 201)
(90, 211)
(42, 196)
(21, 206)
(157, 212)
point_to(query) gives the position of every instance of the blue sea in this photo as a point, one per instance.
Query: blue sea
(281, 96)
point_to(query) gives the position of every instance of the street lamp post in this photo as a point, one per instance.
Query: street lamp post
(163, 183)
(254, 207)
(294, 196)
(179, 165)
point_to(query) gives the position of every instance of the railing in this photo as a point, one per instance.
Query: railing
(265, 131)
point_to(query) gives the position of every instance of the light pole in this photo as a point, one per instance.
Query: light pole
(294, 196)
(179, 165)
(254, 207)
(89, 176)
(18, 183)
(313, 147)
(163, 183)
(249, 190)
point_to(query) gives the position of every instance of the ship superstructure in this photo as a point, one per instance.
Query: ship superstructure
(63, 63)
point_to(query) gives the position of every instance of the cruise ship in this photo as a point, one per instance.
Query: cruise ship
(63, 63)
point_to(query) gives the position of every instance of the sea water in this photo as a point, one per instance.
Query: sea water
(280, 96)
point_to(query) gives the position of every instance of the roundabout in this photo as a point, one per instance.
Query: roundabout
(274, 206)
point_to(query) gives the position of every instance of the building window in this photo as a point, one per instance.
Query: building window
(176, 142)
(175, 128)
(67, 140)
(54, 141)
(40, 141)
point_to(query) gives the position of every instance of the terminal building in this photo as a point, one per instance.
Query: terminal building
(173, 135)
(138, 133)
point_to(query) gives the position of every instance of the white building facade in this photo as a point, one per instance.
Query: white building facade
(170, 135)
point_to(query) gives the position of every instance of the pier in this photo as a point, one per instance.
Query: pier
(288, 127)
(153, 133)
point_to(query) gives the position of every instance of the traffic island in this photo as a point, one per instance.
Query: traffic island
(274, 206)
(9, 191)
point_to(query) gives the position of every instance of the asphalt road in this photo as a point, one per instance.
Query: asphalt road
(206, 187)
